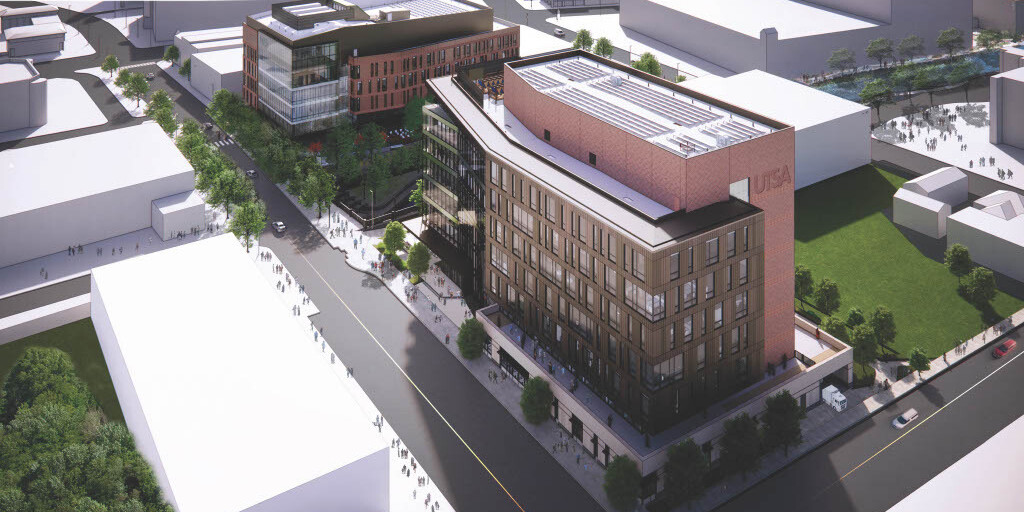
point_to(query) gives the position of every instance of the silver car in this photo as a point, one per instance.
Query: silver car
(903, 419)
(278, 226)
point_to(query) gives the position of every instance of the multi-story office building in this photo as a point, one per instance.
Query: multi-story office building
(641, 232)
(307, 63)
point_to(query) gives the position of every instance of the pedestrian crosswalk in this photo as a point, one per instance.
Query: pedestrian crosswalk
(139, 65)
(226, 142)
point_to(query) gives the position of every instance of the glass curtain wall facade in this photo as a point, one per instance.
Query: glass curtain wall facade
(454, 192)
(306, 88)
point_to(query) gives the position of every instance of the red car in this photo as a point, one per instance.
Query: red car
(1004, 348)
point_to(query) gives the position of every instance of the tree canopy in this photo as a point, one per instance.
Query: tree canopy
(536, 400)
(781, 422)
(622, 483)
(835, 327)
(186, 68)
(110, 64)
(865, 346)
(855, 317)
(648, 63)
(249, 221)
(171, 54)
(603, 47)
(317, 189)
(826, 296)
(394, 237)
(979, 286)
(910, 47)
(876, 93)
(957, 260)
(741, 445)
(685, 471)
(583, 40)
(804, 283)
(419, 259)
(842, 59)
(879, 49)
(919, 361)
(471, 339)
(883, 325)
(951, 40)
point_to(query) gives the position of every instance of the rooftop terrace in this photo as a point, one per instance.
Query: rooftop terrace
(417, 9)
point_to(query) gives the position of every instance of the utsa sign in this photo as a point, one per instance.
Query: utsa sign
(774, 178)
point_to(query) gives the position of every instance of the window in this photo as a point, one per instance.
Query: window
(555, 242)
(734, 344)
(504, 179)
(676, 304)
(711, 252)
(549, 211)
(746, 238)
(547, 135)
(650, 306)
(517, 244)
(590, 298)
(639, 264)
(613, 315)
(613, 349)
(730, 244)
(718, 315)
(667, 371)
(728, 278)
(522, 220)
(572, 285)
(689, 260)
(709, 286)
(551, 270)
(688, 329)
(701, 354)
(584, 263)
(673, 266)
(721, 346)
(743, 272)
(593, 159)
(689, 293)
(610, 280)
(549, 300)
(632, 362)
(671, 335)
(741, 304)
(703, 322)
(612, 247)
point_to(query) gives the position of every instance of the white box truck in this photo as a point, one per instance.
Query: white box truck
(831, 395)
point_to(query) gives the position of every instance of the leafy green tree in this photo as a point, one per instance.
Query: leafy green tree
(583, 40)
(318, 190)
(979, 286)
(394, 237)
(680, 78)
(186, 68)
(804, 283)
(110, 64)
(136, 88)
(165, 118)
(536, 400)
(951, 40)
(902, 80)
(471, 338)
(648, 63)
(855, 317)
(622, 482)
(958, 261)
(842, 59)
(781, 422)
(962, 73)
(928, 78)
(171, 54)
(157, 101)
(378, 174)
(123, 77)
(875, 94)
(919, 361)
(826, 296)
(412, 116)
(880, 49)
(603, 47)
(835, 327)
(685, 471)
(419, 259)
(741, 445)
(249, 221)
(42, 372)
(883, 325)
(12, 499)
(370, 141)
(865, 346)
(417, 198)
(989, 39)
(910, 47)
(230, 187)
(341, 152)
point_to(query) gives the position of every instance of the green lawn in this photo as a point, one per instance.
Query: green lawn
(842, 233)
(79, 340)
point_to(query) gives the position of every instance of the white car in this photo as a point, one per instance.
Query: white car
(559, 32)
(278, 226)
(903, 419)
(251, 173)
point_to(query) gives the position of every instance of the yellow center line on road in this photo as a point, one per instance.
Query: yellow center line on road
(417, 388)
(922, 422)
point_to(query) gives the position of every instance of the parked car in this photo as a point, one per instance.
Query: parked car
(1004, 348)
(903, 419)
(279, 226)
(207, 126)
(150, 76)
(251, 173)
(559, 32)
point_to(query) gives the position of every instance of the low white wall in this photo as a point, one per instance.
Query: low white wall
(832, 148)
(35, 321)
(920, 213)
(168, 224)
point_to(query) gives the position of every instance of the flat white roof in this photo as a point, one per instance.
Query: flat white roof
(417, 9)
(775, 97)
(213, 34)
(17, 70)
(1002, 216)
(27, 31)
(1016, 75)
(219, 43)
(985, 479)
(231, 400)
(222, 61)
(178, 202)
(56, 172)
(34, 9)
(790, 18)
(808, 345)
(533, 41)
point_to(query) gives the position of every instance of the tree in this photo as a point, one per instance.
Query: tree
(855, 317)
(341, 152)
(879, 49)
(471, 338)
(883, 325)
(910, 47)
(419, 259)
(648, 63)
(875, 94)
(951, 40)
(417, 198)
(622, 483)
(123, 77)
(370, 141)
(186, 68)
(781, 422)
(159, 100)
(979, 286)
(842, 59)
(412, 117)
(603, 47)
(826, 297)
(318, 190)
(928, 78)
(165, 118)
(902, 80)
(394, 237)
(583, 40)
(865, 347)
(834, 326)
(378, 174)
(110, 64)
(230, 187)
(171, 54)
(919, 361)
(958, 261)
(136, 88)
(249, 221)
(680, 78)
(804, 283)
(685, 471)
(45, 374)
(989, 39)
(536, 400)
(962, 73)
(741, 445)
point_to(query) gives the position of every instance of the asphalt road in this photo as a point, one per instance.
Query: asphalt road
(873, 466)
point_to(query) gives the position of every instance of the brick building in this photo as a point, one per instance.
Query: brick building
(307, 63)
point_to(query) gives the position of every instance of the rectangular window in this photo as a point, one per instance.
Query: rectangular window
(689, 293)
(593, 159)
(709, 286)
(504, 179)
(721, 346)
(743, 272)
(689, 260)
(701, 355)
(673, 266)
(612, 247)
(632, 362)
(676, 304)
(613, 315)
(650, 306)
(688, 329)
(718, 314)
(741, 304)
(613, 349)
(639, 264)
(730, 244)
(734, 342)
(584, 263)
(728, 278)
(547, 135)
(746, 238)
(703, 322)
(522, 220)
(711, 252)
(610, 280)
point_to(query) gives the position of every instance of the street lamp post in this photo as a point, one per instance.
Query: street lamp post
(371, 209)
